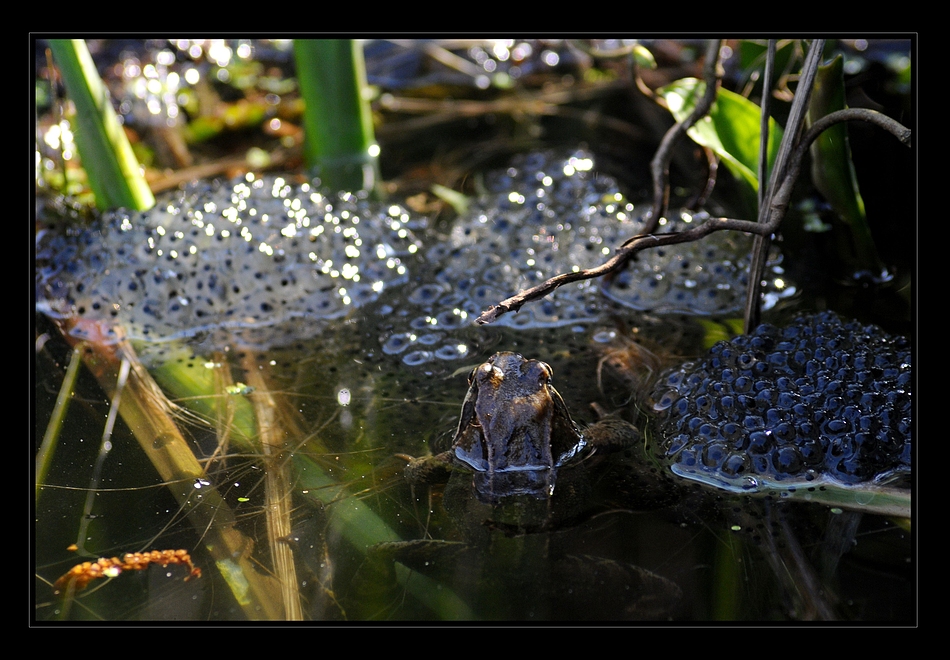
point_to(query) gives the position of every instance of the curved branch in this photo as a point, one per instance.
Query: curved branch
(781, 197)
(777, 208)
(893, 127)
(616, 262)
(660, 165)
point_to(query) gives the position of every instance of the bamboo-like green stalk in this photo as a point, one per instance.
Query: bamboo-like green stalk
(111, 167)
(339, 143)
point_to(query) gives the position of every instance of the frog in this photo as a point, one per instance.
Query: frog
(517, 476)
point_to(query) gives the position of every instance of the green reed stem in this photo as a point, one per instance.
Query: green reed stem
(339, 143)
(44, 457)
(112, 169)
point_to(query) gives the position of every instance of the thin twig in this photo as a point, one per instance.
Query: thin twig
(660, 165)
(763, 169)
(793, 130)
(620, 258)
(776, 213)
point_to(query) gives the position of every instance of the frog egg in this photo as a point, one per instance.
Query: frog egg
(252, 253)
(416, 358)
(452, 351)
(796, 416)
(397, 343)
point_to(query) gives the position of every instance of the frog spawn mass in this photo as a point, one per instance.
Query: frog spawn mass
(549, 213)
(253, 262)
(819, 401)
(233, 262)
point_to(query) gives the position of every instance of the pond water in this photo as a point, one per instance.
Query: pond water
(357, 384)
(723, 563)
(313, 344)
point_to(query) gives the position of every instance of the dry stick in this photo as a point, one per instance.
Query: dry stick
(897, 129)
(776, 212)
(762, 242)
(764, 120)
(278, 491)
(660, 165)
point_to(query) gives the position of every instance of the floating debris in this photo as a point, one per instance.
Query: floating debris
(81, 575)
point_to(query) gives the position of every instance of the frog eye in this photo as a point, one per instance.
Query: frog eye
(546, 370)
(488, 373)
(484, 368)
(542, 371)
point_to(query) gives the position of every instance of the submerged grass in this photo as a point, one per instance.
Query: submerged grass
(151, 418)
(340, 148)
(44, 456)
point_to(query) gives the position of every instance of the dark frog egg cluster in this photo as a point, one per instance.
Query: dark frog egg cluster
(820, 400)
(233, 261)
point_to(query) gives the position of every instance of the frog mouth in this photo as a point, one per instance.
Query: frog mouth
(509, 476)
(494, 486)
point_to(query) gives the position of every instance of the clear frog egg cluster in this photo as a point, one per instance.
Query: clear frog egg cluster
(551, 212)
(225, 258)
(254, 261)
(819, 399)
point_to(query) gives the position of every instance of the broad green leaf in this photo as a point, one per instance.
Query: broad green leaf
(643, 57)
(731, 129)
(721, 330)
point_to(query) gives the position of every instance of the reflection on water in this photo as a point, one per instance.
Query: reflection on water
(343, 414)
(728, 559)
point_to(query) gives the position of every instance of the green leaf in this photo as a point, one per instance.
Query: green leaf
(752, 55)
(715, 331)
(643, 57)
(112, 169)
(731, 129)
